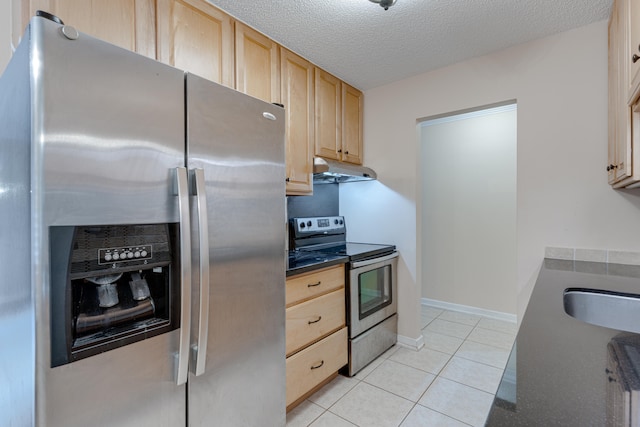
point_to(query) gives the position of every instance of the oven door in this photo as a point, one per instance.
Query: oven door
(372, 292)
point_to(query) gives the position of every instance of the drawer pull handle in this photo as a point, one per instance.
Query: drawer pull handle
(315, 321)
(319, 366)
(311, 285)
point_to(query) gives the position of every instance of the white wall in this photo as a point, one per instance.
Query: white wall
(563, 200)
(5, 33)
(468, 209)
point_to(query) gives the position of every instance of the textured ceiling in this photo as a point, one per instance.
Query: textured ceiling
(366, 46)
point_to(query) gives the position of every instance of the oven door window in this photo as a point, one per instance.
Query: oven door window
(374, 290)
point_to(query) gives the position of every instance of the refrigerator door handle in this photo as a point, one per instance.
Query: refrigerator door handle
(200, 348)
(182, 191)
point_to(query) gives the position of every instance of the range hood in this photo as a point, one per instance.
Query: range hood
(327, 171)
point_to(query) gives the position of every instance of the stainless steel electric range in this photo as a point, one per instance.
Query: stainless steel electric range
(371, 283)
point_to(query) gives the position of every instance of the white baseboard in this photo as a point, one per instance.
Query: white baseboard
(507, 317)
(411, 343)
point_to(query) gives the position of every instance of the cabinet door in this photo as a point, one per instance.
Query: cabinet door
(257, 64)
(352, 106)
(328, 104)
(631, 58)
(196, 37)
(129, 24)
(619, 168)
(297, 97)
(614, 76)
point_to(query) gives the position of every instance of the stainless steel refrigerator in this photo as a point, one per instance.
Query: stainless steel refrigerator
(142, 218)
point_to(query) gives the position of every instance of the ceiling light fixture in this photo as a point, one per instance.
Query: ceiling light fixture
(384, 3)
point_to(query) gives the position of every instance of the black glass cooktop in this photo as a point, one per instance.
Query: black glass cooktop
(355, 251)
(299, 261)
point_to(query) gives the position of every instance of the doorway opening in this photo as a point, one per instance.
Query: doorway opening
(467, 210)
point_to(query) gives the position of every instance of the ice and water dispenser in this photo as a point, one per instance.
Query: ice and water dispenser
(111, 286)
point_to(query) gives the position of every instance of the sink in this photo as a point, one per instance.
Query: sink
(615, 310)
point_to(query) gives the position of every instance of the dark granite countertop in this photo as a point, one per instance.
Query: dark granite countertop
(556, 372)
(299, 262)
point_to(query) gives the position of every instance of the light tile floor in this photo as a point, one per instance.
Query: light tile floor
(449, 382)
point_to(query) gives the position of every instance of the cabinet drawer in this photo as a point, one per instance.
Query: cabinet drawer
(314, 364)
(305, 286)
(311, 320)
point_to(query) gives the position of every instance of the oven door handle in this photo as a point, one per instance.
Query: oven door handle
(358, 264)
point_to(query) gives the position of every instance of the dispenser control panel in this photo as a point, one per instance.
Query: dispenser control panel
(127, 253)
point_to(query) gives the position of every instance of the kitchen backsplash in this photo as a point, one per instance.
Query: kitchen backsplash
(324, 202)
(593, 255)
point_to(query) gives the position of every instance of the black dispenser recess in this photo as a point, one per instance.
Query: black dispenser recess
(111, 285)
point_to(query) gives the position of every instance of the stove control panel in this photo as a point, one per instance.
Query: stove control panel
(319, 225)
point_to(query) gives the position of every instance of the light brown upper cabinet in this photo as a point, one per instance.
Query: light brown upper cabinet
(196, 37)
(630, 41)
(623, 166)
(257, 64)
(338, 119)
(328, 111)
(297, 96)
(126, 23)
(352, 106)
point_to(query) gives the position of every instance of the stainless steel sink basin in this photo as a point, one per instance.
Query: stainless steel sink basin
(615, 310)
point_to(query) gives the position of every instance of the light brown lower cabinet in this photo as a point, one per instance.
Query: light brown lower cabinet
(316, 333)
(311, 320)
(313, 365)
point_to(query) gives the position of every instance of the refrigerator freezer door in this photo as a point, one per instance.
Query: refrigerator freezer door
(239, 146)
(107, 136)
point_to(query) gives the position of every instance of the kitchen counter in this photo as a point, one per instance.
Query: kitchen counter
(304, 261)
(556, 371)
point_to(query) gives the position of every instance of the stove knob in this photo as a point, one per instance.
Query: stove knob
(309, 223)
(341, 222)
(302, 225)
(335, 221)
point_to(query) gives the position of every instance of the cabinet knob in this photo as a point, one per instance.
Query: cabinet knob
(635, 58)
(340, 151)
(346, 152)
(288, 179)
